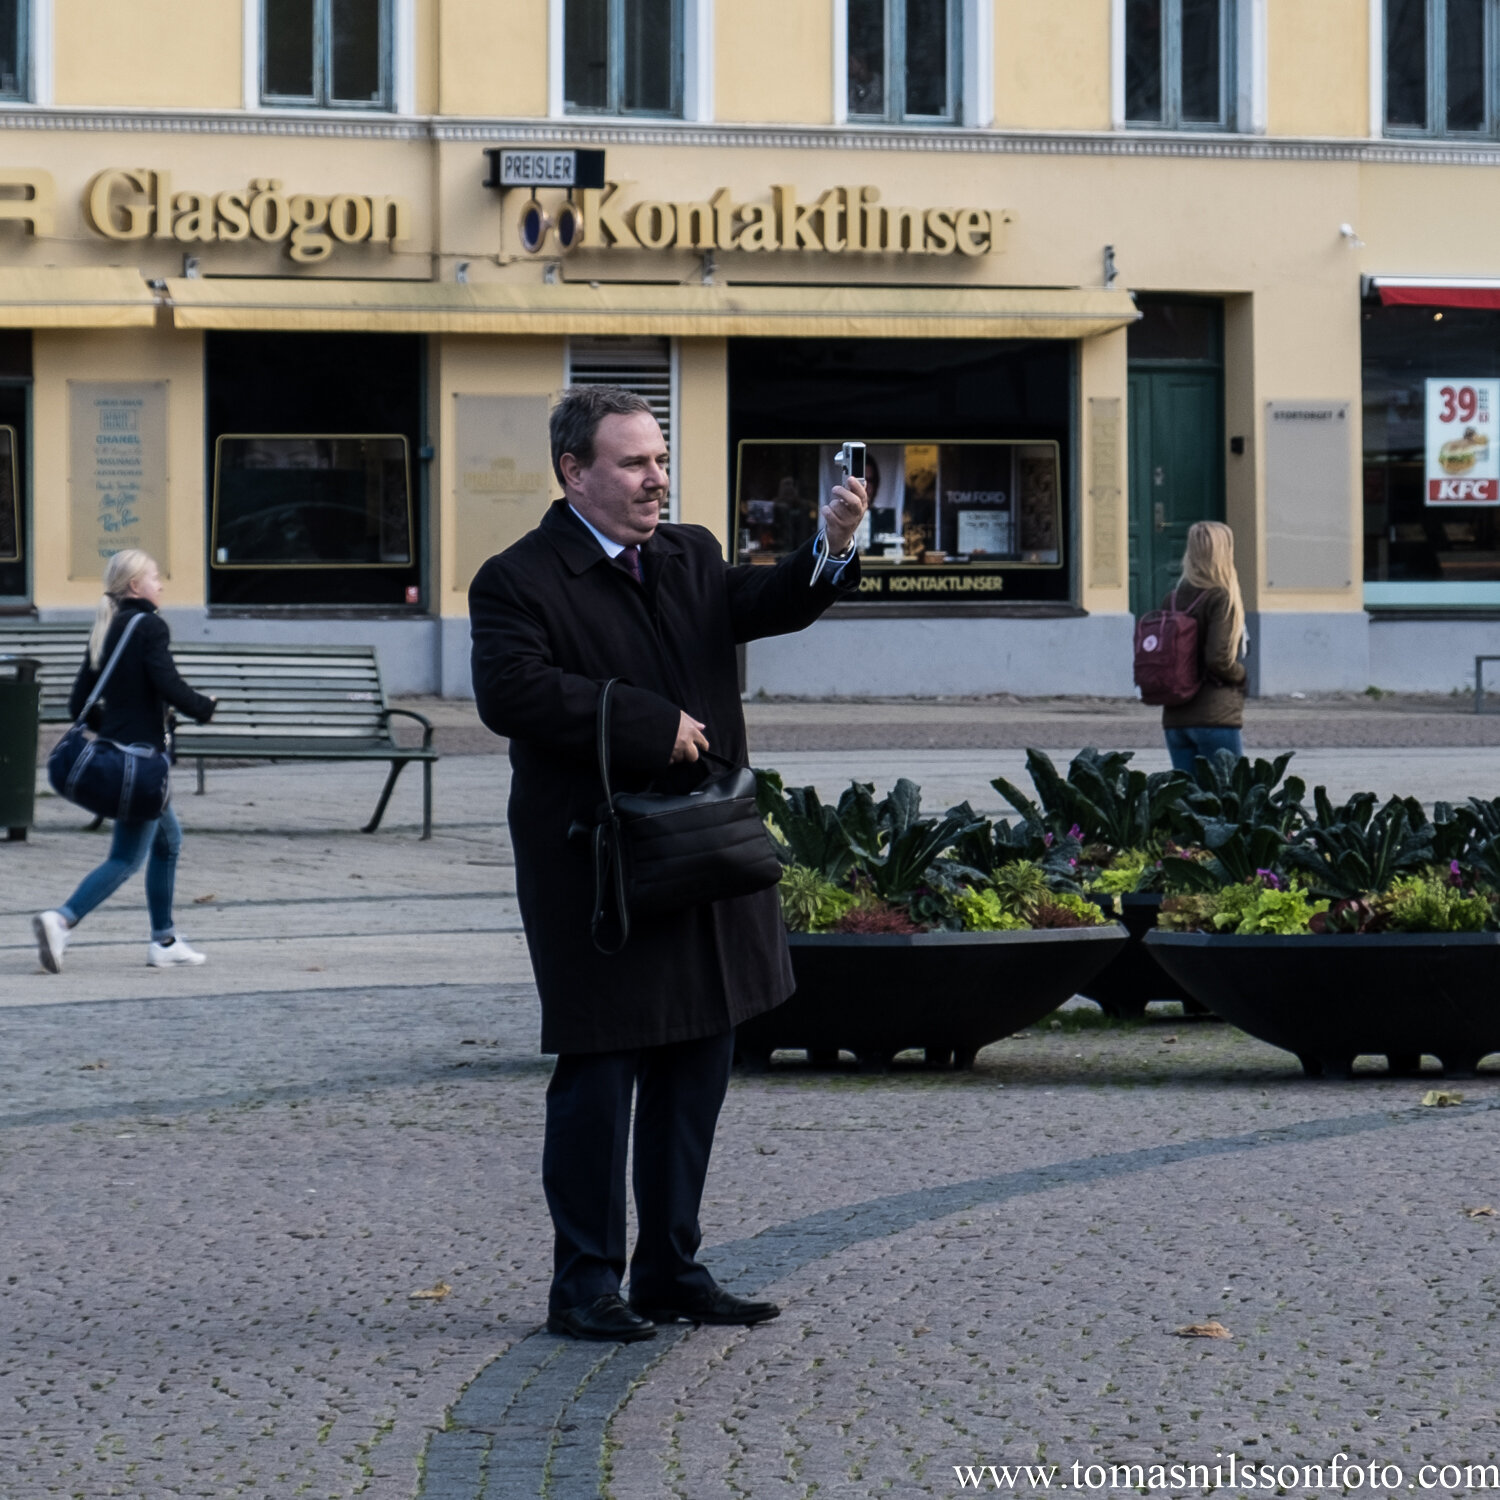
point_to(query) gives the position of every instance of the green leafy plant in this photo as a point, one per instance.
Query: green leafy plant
(1230, 789)
(1247, 909)
(810, 902)
(1100, 801)
(1128, 872)
(1430, 901)
(1358, 849)
(983, 911)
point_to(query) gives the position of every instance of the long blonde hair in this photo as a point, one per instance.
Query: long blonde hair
(1208, 563)
(120, 572)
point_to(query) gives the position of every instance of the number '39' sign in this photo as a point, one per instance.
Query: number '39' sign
(1463, 447)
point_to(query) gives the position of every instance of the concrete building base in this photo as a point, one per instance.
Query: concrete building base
(1431, 656)
(936, 657)
(1294, 652)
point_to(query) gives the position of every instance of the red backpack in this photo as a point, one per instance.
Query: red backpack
(1167, 668)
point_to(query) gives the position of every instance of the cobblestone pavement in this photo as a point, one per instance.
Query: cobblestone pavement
(219, 1186)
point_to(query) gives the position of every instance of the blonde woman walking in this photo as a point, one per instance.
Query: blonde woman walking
(132, 712)
(1210, 589)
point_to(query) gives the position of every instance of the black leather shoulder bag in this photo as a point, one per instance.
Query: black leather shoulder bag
(660, 852)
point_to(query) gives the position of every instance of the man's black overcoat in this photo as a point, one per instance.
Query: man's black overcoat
(553, 618)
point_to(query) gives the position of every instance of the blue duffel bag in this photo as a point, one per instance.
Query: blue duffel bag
(129, 783)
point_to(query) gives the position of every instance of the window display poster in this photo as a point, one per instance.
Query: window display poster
(117, 472)
(1463, 461)
(503, 476)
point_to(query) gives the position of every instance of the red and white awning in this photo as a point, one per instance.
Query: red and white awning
(1437, 291)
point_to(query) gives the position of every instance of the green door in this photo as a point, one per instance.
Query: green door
(1176, 472)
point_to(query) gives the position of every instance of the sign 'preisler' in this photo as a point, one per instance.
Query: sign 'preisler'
(510, 167)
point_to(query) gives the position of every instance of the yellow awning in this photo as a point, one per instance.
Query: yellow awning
(684, 311)
(74, 297)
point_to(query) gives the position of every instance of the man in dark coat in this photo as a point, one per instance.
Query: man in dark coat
(601, 590)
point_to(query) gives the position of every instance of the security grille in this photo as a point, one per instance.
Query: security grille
(642, 365)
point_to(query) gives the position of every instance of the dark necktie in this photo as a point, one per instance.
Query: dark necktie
(632, 560)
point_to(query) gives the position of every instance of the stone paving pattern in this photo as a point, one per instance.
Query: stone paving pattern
(207, 1244)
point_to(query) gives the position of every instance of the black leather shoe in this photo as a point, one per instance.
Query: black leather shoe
(606, 1318)
(717, 1306)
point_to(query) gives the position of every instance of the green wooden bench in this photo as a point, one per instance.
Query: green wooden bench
(307, 703)
(59, 648)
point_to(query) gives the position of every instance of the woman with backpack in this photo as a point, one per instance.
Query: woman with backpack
(1209, 593)
(132, 712)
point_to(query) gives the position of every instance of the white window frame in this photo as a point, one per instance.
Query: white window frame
(1436, 82)
(402, 64)
(1248, 94)
(697, 64)
(1377, 69)
(39, 36)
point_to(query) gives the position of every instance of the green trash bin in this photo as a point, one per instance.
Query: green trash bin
(20, 725)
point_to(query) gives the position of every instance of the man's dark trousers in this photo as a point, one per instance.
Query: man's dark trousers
(679, 1089)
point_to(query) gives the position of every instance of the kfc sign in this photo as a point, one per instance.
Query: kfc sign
(1463, 463)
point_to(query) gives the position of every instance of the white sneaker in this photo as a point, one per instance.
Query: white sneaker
(159, 957)
(51, 938)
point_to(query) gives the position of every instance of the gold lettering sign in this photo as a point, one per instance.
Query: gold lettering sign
(842, 220)
(34, 206)
(134, 203)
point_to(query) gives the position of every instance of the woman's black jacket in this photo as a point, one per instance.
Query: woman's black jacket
(133, 708)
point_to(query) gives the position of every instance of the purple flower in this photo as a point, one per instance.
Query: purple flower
(1046, 840)
(1270, 879)
(1455, 875)
(1075, 832)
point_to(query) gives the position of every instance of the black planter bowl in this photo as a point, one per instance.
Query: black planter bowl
(949, 993)
(1133, 977)
(1332, 998)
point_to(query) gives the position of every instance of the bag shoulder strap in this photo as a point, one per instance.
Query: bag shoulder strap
(109, 666)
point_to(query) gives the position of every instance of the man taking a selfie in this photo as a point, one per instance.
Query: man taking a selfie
(605, 589)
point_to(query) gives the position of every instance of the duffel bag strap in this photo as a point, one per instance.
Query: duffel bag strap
(109, 666)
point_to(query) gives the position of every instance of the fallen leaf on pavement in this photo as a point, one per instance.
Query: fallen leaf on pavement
(1213, 1329)
(765, 1150)
(93, 1067)
(917, 1333)
(1486, 1212)
(1441, 1098)
(1167, 1039)
(430, 1293)
(204, 900)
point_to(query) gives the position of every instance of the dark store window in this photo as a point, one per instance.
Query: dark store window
(623, 57)
(1179, 63)
(313, 470)
(14, 50)
(968, 451)
(1440, 67)
(1431, 495)
(329, 53)
(903, 60)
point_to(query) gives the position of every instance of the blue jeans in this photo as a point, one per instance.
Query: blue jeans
(1186, 745)
(162, 837)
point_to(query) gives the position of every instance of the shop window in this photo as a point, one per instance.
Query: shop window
(642, 365)
(967, 461)
(315, 496)
(903, 60)
(623, 57)
(14, 50)
(1179, 64)
(1431, 456)
(1440, 70)
(326, 53)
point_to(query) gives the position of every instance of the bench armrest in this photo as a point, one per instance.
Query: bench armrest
(422, 719)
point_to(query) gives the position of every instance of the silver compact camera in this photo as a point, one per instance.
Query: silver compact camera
(851, 459)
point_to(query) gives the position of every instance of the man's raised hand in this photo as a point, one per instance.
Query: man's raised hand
(843, 513)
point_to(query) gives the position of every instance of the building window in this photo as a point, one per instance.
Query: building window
(1179, 64)
(1431, 456)
(904, 60)
(1440, 73)
(646, 366)
(316, 490)
(333, 54)
(623, 57)
(14, 50)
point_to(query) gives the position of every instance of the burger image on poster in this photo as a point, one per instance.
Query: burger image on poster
(1459, 455)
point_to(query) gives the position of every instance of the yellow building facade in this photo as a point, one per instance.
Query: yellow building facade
(285, 301)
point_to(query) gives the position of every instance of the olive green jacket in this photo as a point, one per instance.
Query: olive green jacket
(1220, 703)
